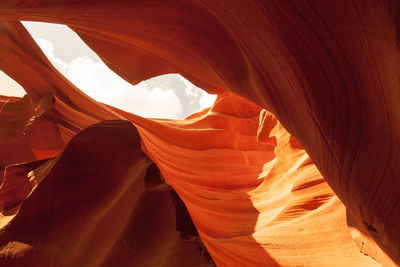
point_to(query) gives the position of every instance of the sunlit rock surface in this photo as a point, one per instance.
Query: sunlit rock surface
(296, 164)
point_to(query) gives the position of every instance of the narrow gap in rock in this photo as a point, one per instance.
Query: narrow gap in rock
(369, 227)
(184, 223)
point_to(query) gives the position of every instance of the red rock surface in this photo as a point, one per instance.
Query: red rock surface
(322, 75)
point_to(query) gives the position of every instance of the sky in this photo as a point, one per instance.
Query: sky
(168, 96)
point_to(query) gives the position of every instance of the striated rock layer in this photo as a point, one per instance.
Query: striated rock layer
(296, 164)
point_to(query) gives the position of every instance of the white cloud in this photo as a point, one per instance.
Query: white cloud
(96, 80)
(204, 99)
(207, 100)
(190, 89)
(168, 96)
(48, 49)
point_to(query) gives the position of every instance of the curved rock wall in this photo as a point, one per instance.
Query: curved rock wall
(328, 71)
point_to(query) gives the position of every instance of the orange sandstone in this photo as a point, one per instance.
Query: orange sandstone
(322, 75)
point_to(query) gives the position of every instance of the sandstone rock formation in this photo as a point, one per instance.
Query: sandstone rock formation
(296, 164)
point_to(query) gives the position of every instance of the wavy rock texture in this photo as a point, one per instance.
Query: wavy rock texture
(322, 75)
